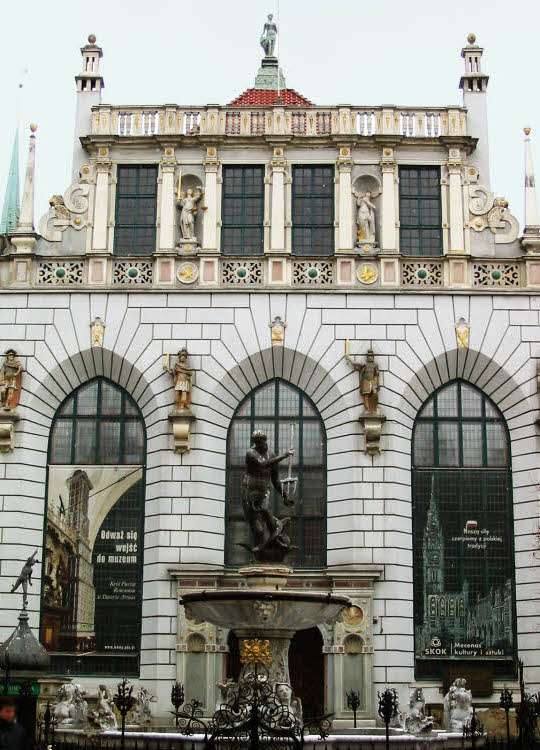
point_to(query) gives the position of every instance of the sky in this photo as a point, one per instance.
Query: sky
(186, 52)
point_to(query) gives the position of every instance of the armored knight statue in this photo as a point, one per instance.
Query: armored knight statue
(270, 544)
(10, 380)
(187, 204)
(269, 36)
(25, 578)
(369, 379)
(183, 379)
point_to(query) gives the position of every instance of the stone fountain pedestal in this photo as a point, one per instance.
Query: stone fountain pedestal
(265, 610)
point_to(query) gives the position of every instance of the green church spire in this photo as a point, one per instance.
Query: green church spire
(10, 212)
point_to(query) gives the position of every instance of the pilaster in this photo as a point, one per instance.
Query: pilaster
(101, 201)
(455, 201)
(344, 166)
(389, 201)
(210, 221)
(166, 205)
(277, 218)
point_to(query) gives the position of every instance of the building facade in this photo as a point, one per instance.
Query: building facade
(272, 243)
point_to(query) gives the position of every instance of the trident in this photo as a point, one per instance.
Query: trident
(289, 483)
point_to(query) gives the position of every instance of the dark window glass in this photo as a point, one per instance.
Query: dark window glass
(313, 210)
(242, 210)
(98, 424)
(94, 528)
(462, 526)
(136, 199)
(273, 407)
(420, 211)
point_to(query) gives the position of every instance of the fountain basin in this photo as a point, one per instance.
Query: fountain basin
(262, 611)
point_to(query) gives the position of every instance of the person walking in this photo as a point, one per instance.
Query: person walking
(12, 734)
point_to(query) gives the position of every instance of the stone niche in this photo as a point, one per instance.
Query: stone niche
(203, 653)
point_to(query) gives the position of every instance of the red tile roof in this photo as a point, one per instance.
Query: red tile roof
(265, 98)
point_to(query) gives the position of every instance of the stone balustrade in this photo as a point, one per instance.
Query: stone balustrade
(307, 121)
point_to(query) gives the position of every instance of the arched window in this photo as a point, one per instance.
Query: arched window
(93, 555)
(462, 526)
(98, 424)
(273, 407)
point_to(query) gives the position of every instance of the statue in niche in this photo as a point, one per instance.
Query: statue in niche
(369, 379)
(25, 577)
(416, 721)
(365, 216)
(269, 36)
(187, 203)
(270, 543)
(183, 379)
(10, 380)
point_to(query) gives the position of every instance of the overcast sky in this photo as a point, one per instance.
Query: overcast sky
(193, 52)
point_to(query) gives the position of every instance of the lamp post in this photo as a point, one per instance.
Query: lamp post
(353, 703)
(388, 707)
(177, 699)
(124, 702)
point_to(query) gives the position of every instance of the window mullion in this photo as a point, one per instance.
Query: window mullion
(98, 423)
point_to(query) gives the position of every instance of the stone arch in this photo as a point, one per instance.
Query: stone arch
(60, 381)
(496, 380)
(329, 394)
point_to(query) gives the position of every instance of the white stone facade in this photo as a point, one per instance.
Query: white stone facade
(369, 498)
(55, 283)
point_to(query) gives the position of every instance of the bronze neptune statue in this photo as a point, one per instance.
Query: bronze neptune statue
(270, 543)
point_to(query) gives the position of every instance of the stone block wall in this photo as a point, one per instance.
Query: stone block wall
(228, 338)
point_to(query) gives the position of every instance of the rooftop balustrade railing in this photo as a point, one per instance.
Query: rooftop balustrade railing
(308, 121)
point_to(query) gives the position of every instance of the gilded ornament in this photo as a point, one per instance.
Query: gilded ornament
(462, 333)
(187, 273)
(367, 274)
(256, 651)
(353, 616)
(97, 329)
(103, 152)
(277, 328)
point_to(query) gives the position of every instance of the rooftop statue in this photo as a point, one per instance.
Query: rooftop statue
(270, 544)
(269, 36)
